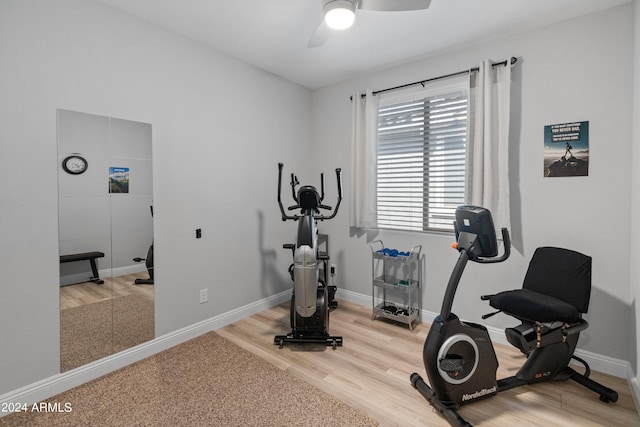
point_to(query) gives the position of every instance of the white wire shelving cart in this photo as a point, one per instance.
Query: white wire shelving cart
(396, 283)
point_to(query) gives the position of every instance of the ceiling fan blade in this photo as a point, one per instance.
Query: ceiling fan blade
(394, 5)
(319, 36)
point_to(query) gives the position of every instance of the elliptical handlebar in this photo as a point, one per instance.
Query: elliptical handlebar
(282, 212)
(294, 182)
(335, 210)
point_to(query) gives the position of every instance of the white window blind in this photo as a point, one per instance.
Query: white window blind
(421, 165)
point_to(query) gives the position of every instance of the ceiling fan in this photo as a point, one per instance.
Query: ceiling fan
(340, 14)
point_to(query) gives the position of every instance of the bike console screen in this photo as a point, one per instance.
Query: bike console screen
(475, 231)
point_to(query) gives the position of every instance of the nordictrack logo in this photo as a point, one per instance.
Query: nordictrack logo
(479, 393)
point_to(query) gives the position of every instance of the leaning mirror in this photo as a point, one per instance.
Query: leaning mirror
(105, 236)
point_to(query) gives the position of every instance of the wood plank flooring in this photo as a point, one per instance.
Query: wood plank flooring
(371, 373)
(114, 287)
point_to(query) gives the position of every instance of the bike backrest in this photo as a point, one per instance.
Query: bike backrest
(561, 273)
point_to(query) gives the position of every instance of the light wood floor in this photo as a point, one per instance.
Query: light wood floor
(89, 292)
(371, 373)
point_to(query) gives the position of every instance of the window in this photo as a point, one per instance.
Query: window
(421, 159)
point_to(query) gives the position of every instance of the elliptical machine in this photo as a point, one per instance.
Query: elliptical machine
(312, 297)
(459, 357)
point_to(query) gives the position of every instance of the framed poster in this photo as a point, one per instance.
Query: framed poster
(566, 149)
(118, 180)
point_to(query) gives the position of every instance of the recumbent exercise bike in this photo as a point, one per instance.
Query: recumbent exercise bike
(459, 358)
(312, 297)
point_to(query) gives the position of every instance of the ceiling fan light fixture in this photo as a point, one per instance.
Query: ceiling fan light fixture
(339, 14)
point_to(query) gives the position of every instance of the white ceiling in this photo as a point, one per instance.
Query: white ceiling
(273, 34)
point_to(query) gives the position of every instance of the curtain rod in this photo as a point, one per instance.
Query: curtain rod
(422, 82)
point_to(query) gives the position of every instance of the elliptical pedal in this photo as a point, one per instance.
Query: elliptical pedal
(329, 340)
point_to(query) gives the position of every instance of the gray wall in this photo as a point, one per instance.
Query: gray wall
(219, 129)
(578, 70)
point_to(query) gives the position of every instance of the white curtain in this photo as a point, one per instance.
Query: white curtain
(489, 145)
(363, 203)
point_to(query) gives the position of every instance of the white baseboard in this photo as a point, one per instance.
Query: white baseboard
(104, 274)
(121, 271)
(59, 383)
(635, 388)
(354, 297)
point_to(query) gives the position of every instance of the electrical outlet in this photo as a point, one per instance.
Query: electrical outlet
(333, 269)
(204, 295)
